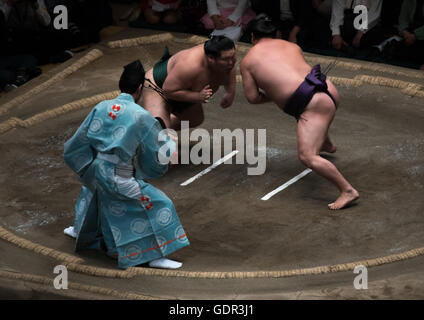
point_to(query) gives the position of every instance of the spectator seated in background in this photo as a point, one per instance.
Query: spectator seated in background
(157, 11)
(290, 22)
(27, 25)
(14, 70)
(192, 11)
(323, 7)
(172, 15)
(228, 17)
(298, 20)
(390, 17)
(85, 20)
(306, 25)
(411, 29)
(17, 70)
(345, 35)
(319, 27)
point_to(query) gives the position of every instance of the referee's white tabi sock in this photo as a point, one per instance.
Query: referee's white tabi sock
(165, 263)
(70, 232)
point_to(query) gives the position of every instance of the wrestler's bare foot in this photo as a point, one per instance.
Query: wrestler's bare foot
(344, 199)
(328, 146)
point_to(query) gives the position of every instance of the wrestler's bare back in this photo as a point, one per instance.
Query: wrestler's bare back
(283, 70)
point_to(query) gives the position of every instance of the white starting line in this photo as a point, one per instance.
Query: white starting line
(232, 154)
(208, 169)
(288, 183)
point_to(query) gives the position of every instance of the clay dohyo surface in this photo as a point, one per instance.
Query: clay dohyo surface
(380, 138)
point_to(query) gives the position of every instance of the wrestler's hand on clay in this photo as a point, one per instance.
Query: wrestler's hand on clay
(206, 94)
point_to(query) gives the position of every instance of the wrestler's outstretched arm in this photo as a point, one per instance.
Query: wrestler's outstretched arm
(250, 88)
(178, 86)
(230, 90)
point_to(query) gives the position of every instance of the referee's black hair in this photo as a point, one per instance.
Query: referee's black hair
(132, 77)
(216, 44)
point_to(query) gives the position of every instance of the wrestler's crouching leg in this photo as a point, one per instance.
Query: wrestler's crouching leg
(328, 145)
(312, 133)
(154, 103)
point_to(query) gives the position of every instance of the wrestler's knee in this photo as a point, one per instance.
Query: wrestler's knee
(327, 108)
(197, 121)
(306, 158)
(200, 117)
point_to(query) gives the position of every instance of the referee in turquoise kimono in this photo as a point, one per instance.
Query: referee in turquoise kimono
(119, 146)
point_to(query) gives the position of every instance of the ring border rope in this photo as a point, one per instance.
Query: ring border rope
(74, 263)
(46, 281)
(85, 60)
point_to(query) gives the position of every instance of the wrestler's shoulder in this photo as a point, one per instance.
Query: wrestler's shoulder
(186, 63)
(250, 59)
(193, 53)
(244, 64)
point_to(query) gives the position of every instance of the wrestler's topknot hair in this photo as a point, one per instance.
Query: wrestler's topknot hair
(216, 44)
(132, 77)
(263, 27)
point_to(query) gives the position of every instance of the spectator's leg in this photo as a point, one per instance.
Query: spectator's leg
(207, 22)
(324, 9)
(151, 16)
(51, 47)
(411, 54)
(416, 52)
(319, 31)
(285, 27)
(171, 17)
(248, 16)
(348, 32)
(18, 61)
(6, 77)
(372, 37)
(390, 17)
(17, 69)
(270, 8)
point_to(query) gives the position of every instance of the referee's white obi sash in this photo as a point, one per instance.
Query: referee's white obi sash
(123, 169)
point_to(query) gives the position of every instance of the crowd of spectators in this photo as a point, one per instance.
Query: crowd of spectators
(394, 30)
(29, 39)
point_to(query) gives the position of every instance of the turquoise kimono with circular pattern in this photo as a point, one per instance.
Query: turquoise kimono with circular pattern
(134, 227)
